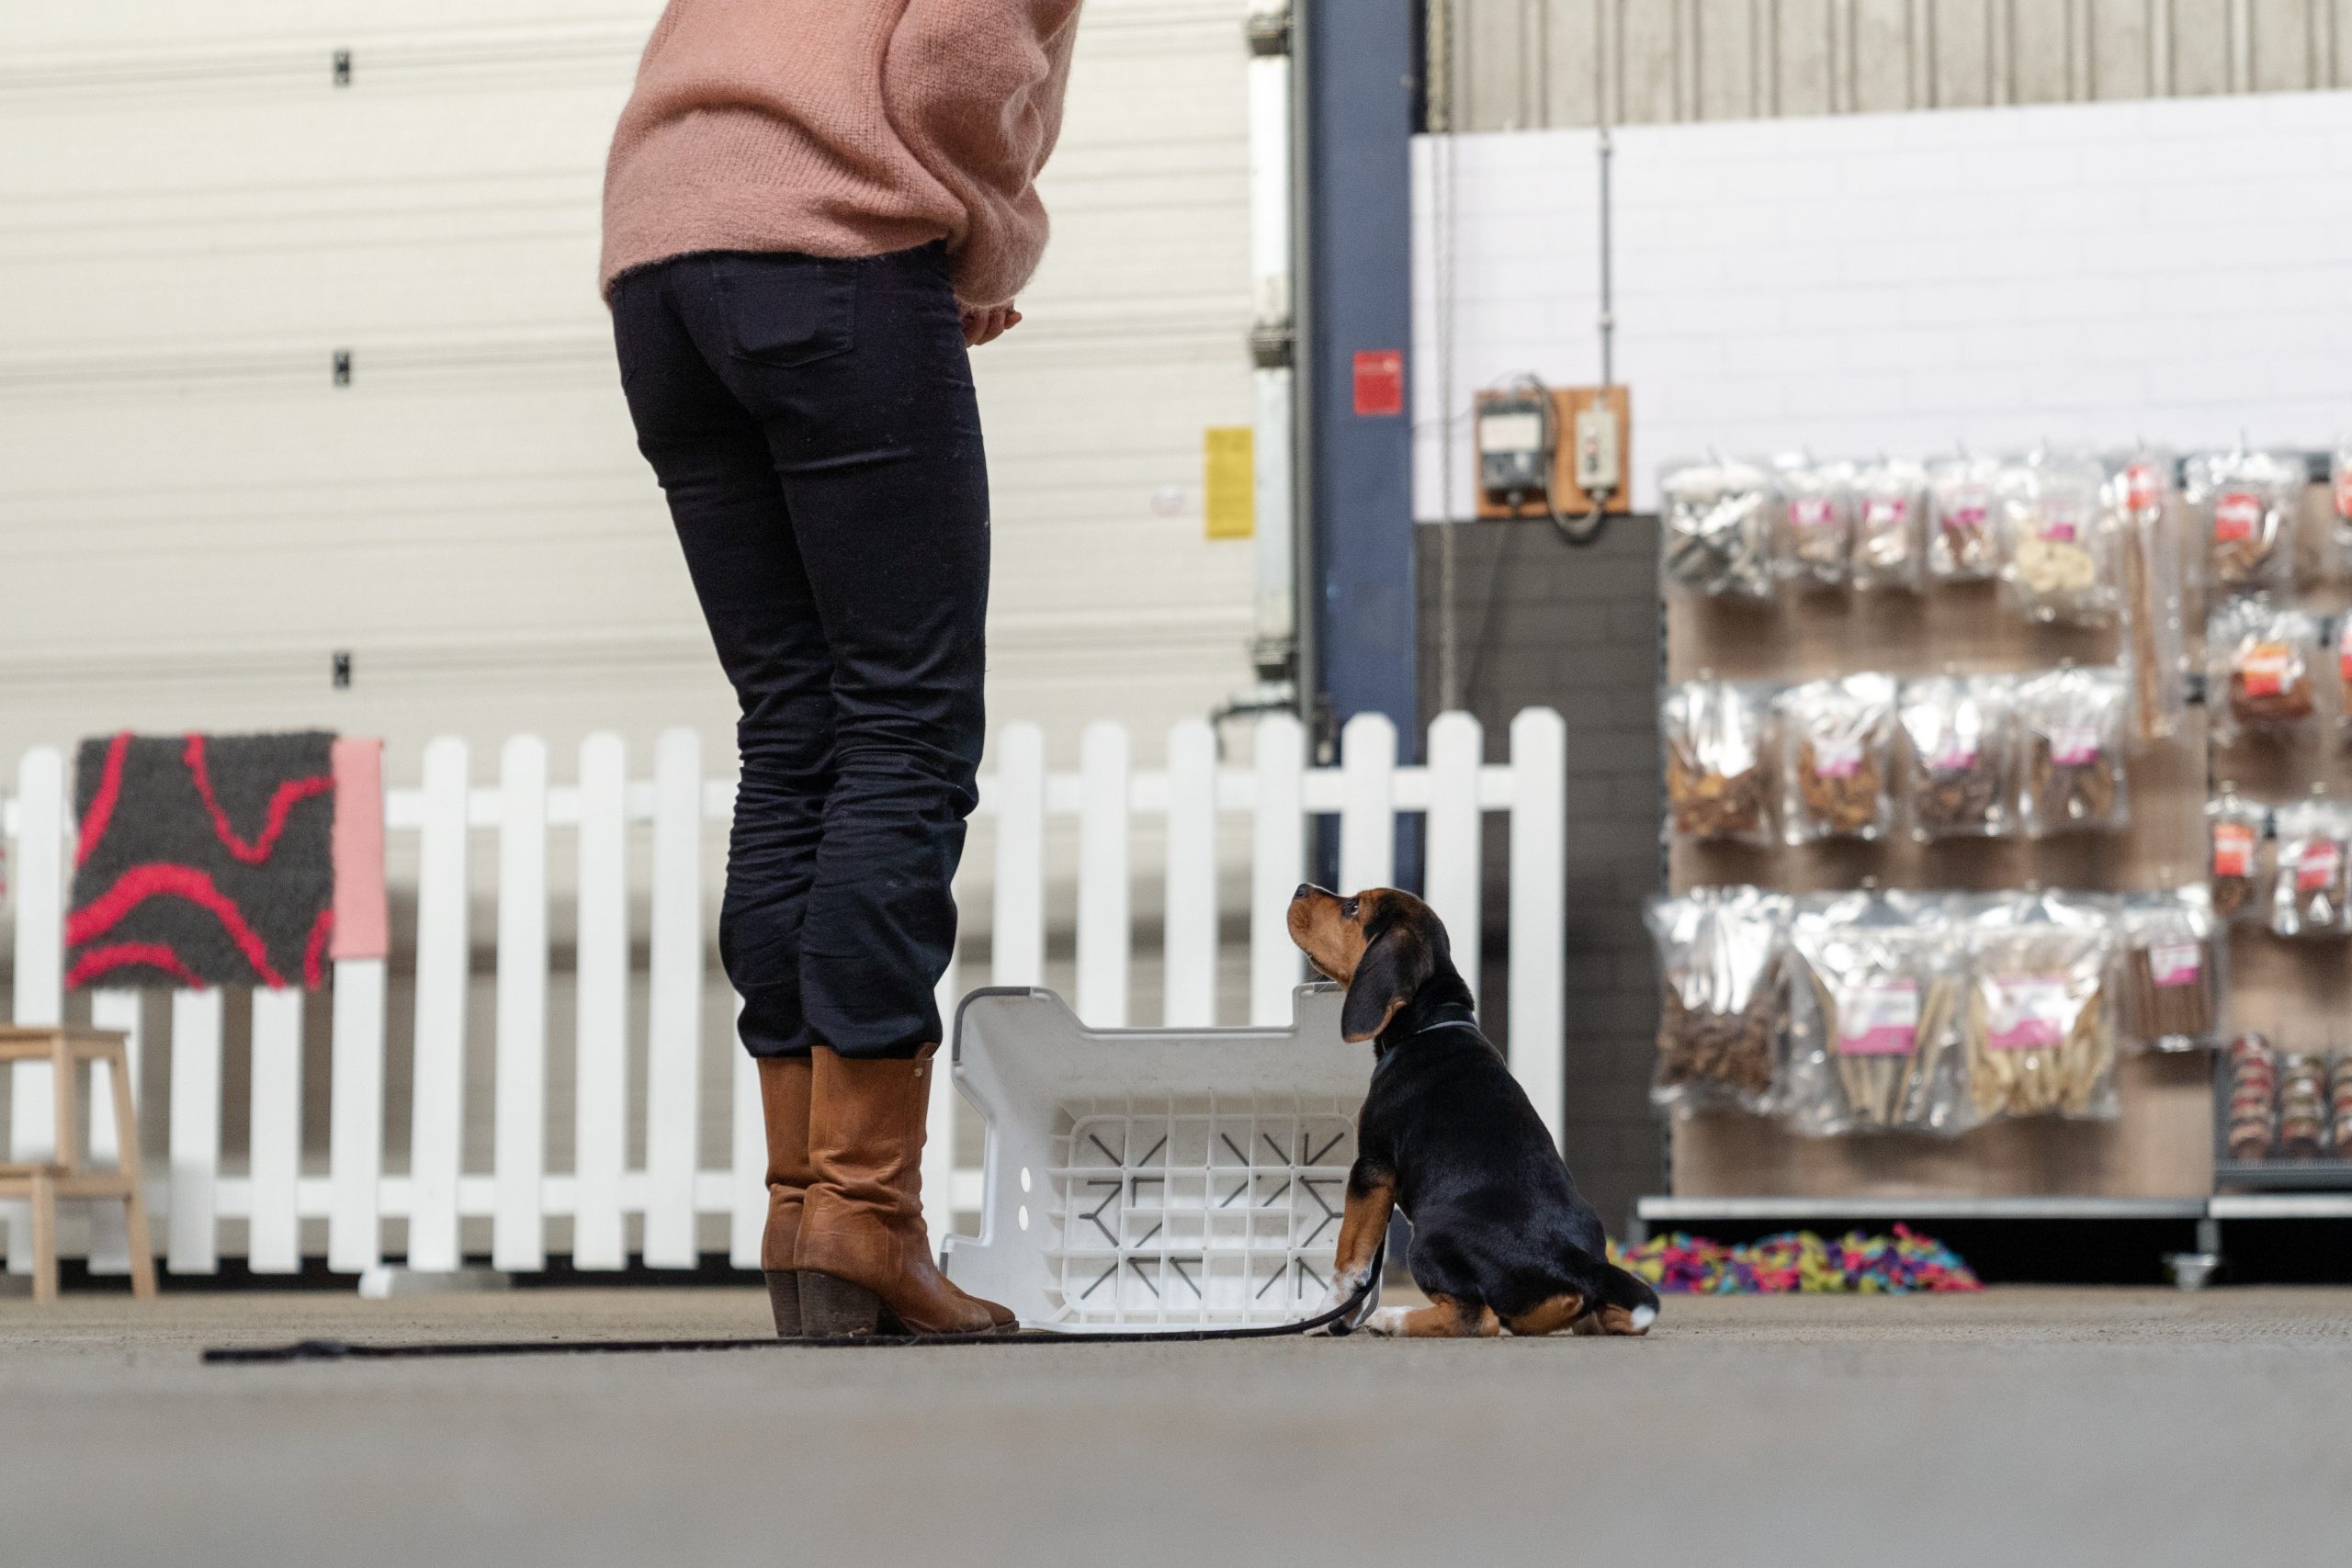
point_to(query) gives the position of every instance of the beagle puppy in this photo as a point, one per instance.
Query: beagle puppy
(1501, 1240)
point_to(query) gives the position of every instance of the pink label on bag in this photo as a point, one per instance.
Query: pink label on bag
(2062, 524)
(1967, 511)
(2027, 1012)
(2175, 964)
(1885, 511)
(2073, 747)
(1813, 511)
(1879, 1021)
(1837, 756)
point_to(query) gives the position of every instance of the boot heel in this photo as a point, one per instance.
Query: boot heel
(783, 1300)
(835, 1309)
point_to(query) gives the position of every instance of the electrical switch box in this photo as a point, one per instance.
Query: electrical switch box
(1515, 447)
(1581, 443)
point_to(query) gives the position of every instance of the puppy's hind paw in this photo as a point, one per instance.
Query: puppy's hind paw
(1386, 1321)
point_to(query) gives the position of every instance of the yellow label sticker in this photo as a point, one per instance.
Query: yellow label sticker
(1229, 481)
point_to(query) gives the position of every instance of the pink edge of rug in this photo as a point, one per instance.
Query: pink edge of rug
(362, 923)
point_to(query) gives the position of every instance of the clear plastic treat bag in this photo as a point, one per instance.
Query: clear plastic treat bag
(2262, 669)
(2245, 504)
(1962, 731)
(1837, 756)
(1721, 966)
(1963, 530)
(1721, 525)
(2059, 539)
(1890, 525)
(2039, 1027)
(1874, 1003)
(2173, 958)
(1719, 754)
(2072, 737)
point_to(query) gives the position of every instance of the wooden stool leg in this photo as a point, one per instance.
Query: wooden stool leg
(44, 1237)
(126, 1138)
(66, 1085)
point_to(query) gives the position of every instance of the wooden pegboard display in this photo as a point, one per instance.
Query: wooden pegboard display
(2162, 1144)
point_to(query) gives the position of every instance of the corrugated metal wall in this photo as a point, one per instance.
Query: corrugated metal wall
(1525, 64)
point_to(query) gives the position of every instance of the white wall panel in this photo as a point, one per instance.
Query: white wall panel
(194, 218)
(2095, 273)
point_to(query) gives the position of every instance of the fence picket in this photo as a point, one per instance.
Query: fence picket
(356, 1118)
(1277, 865)
(1367, 810)
(1102, 920)
(1190, 936)
(938, 1170)
(1017, 956)
(674, 1050)
(436, 1129)
(601, 1065)
(273, 1236)
(748, 1187)
(518, 1230)
(109, 1239)
(1451, 875)
(41, 966)
(1539, 750)
(196, 1131)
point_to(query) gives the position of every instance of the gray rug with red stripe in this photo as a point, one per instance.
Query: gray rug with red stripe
(203, 859)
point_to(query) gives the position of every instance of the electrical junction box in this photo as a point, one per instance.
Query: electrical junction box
(1590, 451)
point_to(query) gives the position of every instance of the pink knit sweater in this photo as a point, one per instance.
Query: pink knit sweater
(842, 127)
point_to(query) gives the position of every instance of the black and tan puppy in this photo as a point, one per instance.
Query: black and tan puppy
(1500, 1238)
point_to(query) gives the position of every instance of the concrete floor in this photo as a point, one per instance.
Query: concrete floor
(2022, 1427)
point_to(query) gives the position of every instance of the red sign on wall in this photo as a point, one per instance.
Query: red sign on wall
(1380, 381)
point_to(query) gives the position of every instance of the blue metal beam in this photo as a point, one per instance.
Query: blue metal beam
(1360, 60)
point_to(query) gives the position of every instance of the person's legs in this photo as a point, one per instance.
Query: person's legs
(712, 459)
(856, 369)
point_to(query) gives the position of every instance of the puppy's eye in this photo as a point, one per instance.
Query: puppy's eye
(1349, 908)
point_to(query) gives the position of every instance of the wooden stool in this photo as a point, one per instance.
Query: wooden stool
(64, 1175)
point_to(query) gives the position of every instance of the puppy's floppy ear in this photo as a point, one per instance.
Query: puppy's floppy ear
(1396, 966)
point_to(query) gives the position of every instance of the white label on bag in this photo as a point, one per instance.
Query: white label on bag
(2073, 747)
(2027, 1012)
(1885, 511)
(1811, 512)
(2175, 964)
(1879, 1021)
(1837, 756)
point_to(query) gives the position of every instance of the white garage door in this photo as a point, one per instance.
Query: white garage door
(194, 516)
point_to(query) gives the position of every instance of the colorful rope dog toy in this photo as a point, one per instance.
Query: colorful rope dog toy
(1682, 1264)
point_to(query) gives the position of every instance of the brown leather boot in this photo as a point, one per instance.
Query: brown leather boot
(784, 1105)
(865, 1259)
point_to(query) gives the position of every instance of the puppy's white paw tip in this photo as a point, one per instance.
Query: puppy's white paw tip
(1385, 1321)
(1642, 1317)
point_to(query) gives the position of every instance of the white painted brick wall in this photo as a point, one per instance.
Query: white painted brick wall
(2178, 270)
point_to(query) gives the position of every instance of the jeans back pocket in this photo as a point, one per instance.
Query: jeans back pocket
(787, 309)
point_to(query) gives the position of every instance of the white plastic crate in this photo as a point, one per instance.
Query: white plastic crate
(1141, 1179)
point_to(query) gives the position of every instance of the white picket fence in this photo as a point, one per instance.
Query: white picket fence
(524, 813)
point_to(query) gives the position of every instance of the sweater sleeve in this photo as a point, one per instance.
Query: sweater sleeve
(976, 89)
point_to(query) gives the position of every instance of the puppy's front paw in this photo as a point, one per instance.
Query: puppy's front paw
(1386, 1322)
(1345, 1282)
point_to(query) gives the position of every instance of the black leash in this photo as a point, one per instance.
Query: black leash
(1341, 1320)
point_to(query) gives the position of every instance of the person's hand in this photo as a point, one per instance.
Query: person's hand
(989, 324)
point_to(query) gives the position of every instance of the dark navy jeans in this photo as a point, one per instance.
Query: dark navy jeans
(813, 426)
